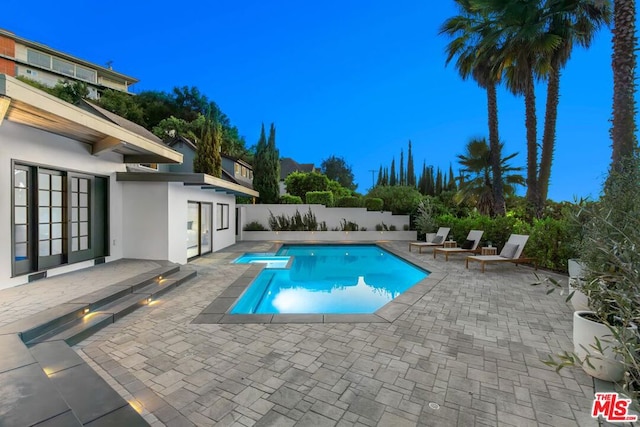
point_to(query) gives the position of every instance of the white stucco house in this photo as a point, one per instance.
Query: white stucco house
(69, 201)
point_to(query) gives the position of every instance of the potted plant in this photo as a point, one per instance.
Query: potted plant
(606, 342)
(425, 219)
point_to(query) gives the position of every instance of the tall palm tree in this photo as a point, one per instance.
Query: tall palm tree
(468, 32)
(624, 86)
(574, 22)
(476, 177)
(519, 28)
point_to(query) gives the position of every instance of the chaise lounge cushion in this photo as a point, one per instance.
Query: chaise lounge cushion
(437, 239)
(468, 244)
(509, 250)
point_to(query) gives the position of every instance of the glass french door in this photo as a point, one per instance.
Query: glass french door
(199, 231)
(59, 217)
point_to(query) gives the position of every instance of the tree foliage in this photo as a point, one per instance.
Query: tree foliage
(266, 170)
(337, 169)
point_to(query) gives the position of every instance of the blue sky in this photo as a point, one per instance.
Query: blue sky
(355, 79)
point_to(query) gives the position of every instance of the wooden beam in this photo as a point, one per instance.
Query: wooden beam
(4, 107)
(107, 144)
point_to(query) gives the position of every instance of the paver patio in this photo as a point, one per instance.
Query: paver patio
(467, 353)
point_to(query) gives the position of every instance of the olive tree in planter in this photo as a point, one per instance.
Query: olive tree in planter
(610, 252)
(425, 219)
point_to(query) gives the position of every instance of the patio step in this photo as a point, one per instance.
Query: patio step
(61, 389)
(98, 309)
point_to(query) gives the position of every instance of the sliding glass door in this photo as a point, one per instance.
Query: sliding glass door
(199, 232)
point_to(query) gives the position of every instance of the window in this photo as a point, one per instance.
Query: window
(250, 174)
(236, 169)
(86, 74)
(153, 166)
(244, 171)
(38, 58)
(222, 217)
(63, 67)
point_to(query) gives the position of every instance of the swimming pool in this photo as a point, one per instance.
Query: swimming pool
(329, 279)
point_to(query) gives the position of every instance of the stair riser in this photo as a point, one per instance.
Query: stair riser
(144, 283)
(86, 333)
(43, 329)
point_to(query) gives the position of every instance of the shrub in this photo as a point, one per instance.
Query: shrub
(300, 183)
(425, 220)
(373, 203)
(289, 199)
(392, 227)
(550, 243)
(297, 222)
(320, 197)
(348, 202)
(348, 225)
(399, 199)
(254, 226)
(382, 227)
(338, 190)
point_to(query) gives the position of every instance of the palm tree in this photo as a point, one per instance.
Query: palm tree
(468, 32)
(574, 22)
(476, 176)
(518, 28)
(623, 65)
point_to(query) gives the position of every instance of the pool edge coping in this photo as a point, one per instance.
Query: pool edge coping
(217, 312)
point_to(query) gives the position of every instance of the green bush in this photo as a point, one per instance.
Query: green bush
(550, 242)
(320, 197)
(348, 202)
(399, 199)
(300, 183)
(288, 199)
(338, 190)
(373, 204)
(254, 226)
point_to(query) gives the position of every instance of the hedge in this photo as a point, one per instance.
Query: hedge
(320, 197)
(288, 199)
(348, 202)
(373, 203)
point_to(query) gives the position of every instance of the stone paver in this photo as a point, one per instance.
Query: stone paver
(473, 344)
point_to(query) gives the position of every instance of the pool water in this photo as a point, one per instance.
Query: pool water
(272, 260)
(329, 279)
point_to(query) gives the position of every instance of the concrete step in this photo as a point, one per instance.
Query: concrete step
(164, 285)
(78, 330)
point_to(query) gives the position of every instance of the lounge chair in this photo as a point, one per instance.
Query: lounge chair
(437, 241)
(470, 246)
(511, 252)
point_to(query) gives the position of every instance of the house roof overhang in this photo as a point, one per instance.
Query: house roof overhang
(29, 106)
(206, 182)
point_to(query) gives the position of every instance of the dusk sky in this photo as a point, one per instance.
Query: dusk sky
(356, 79)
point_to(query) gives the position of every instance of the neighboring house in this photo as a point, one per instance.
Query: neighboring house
(288, 166)
(234, 170)
(69, 201)
(22, 57)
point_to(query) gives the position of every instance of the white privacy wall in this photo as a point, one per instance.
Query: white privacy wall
(33, 146)
(332, 216)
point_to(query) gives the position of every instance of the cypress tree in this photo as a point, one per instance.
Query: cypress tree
(393, 178)
(451, 186)
(431, 187)
(273, 172)
(439, 185)
(385, 178)
(216, 139)
(264, 170)
(380, 176)
(204, 159)
(411, 174)
(422, 184)
(402, 177)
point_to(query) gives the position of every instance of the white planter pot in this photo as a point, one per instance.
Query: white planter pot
(576, 272)
(606, 366)
(579, 300)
